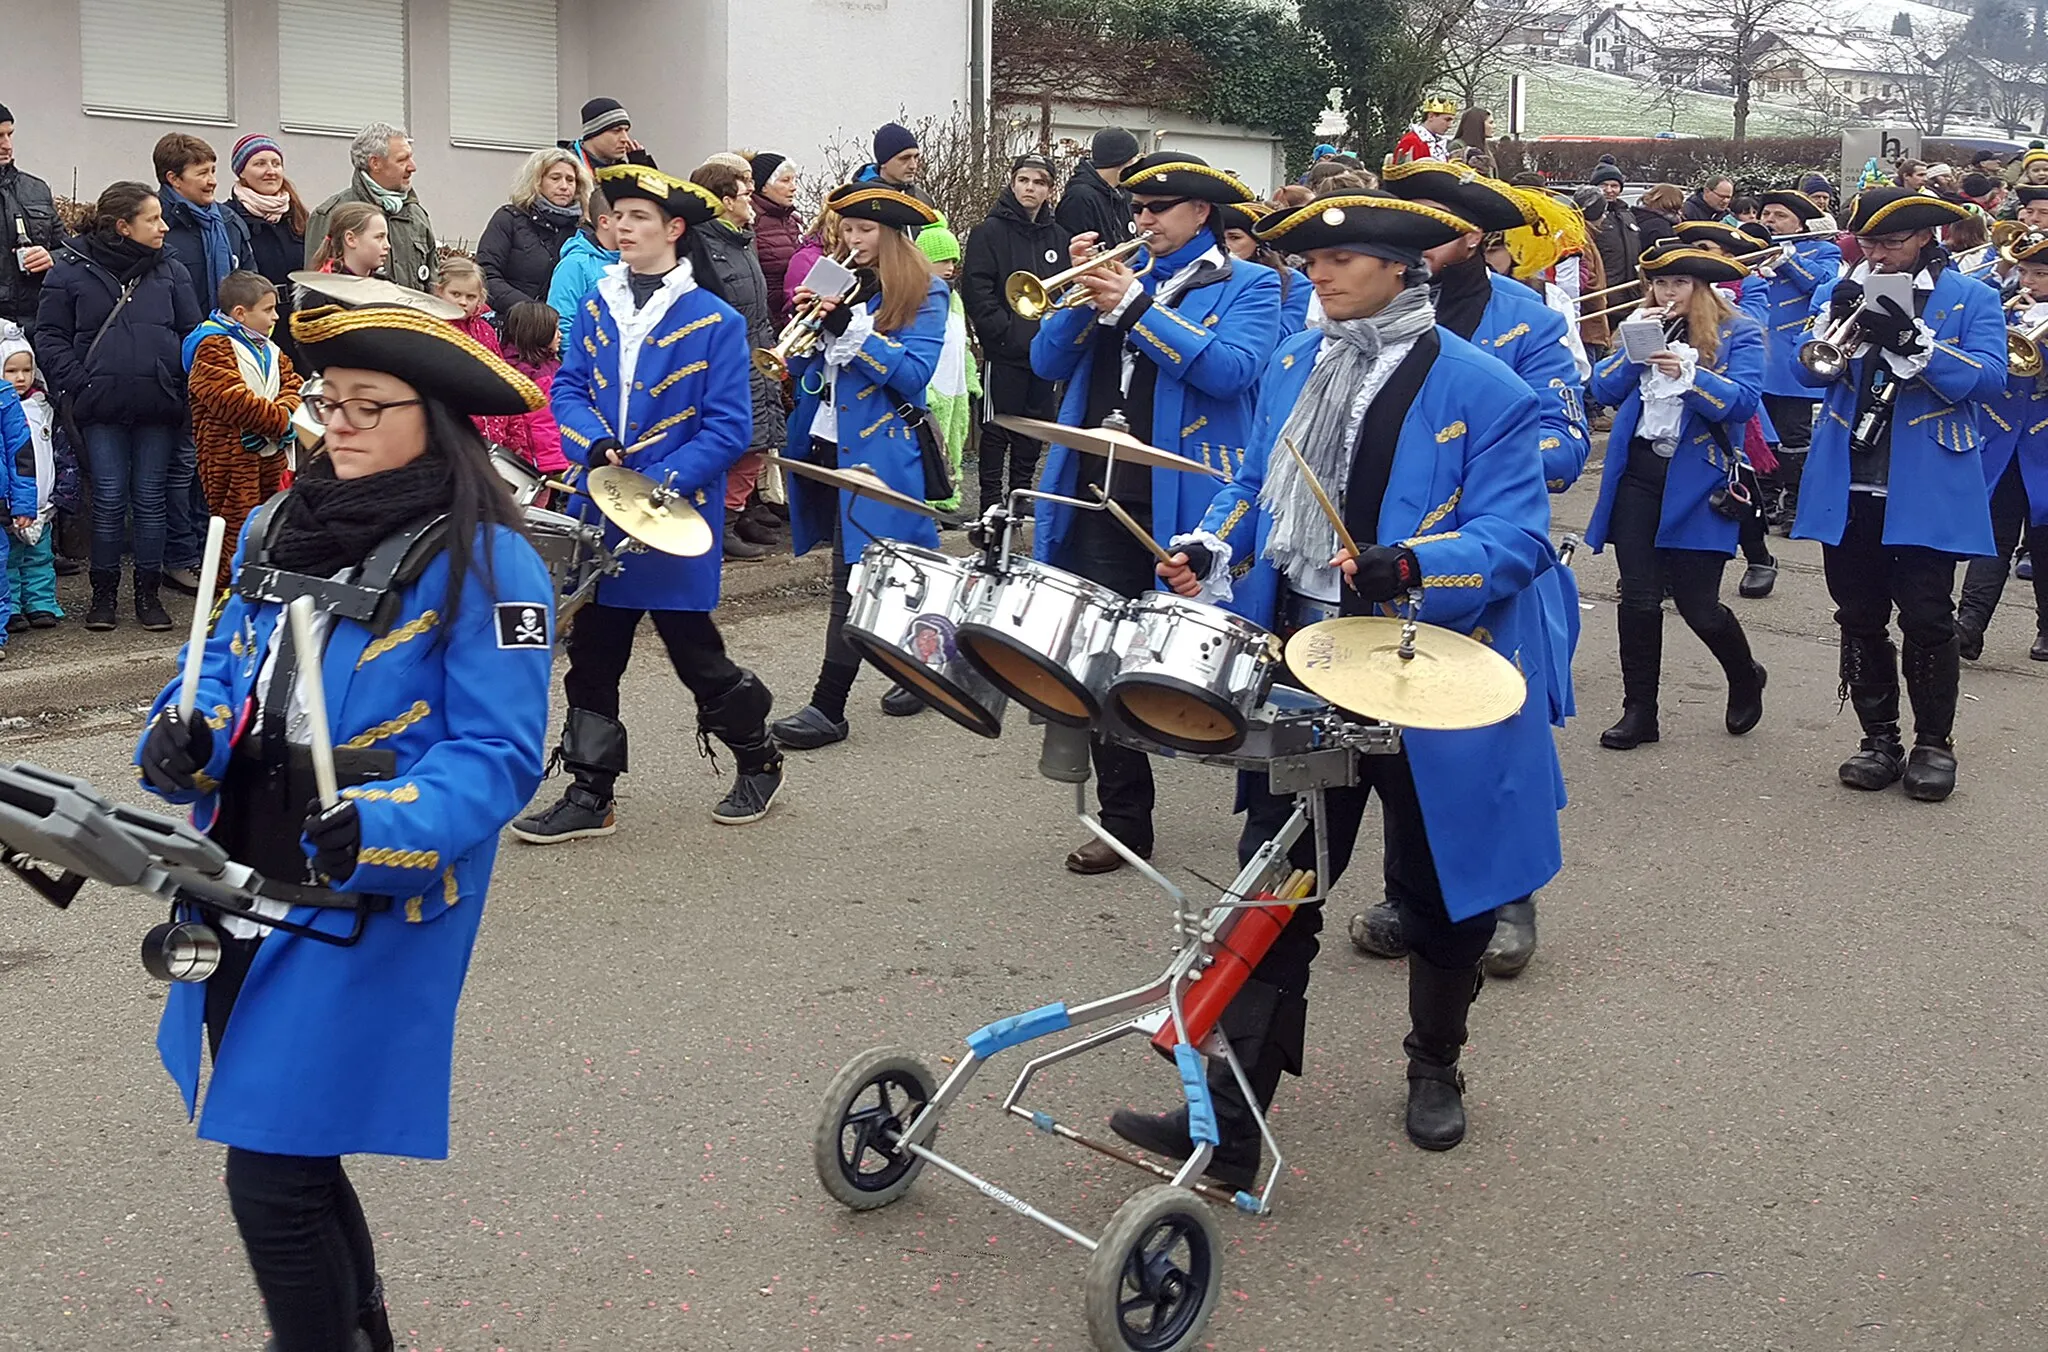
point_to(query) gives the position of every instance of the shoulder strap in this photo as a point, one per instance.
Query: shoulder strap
(127, 289)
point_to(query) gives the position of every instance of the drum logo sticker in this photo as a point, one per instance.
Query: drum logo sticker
(931, 640)
(522, 625)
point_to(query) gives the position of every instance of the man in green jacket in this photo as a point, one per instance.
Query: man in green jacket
(382, 156)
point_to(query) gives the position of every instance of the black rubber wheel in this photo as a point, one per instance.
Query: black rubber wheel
(872, 1100)
(1152, 1282)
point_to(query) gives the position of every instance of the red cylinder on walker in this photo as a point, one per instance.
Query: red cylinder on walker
(1243, 942)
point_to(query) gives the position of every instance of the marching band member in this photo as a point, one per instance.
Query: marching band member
(436, 676)
(861, 401)
(1240, 237)
(2015, 470)
(1429, 139)
(1672, 451)
(2033, 202)
(1430, 445)
(1894, 484)
(1784, 299)
(655, 378)
(1506, 320)
(1178, 353)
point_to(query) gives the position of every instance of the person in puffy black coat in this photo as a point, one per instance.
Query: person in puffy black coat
(109, 327)
(1094, 200)
(1019, 234)
(524, 239)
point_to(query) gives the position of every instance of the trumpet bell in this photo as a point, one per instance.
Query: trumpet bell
(770, 363)
(2022, 354)
(1027, 295)
(1823, 358)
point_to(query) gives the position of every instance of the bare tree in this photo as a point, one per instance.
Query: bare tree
(1726, 41)
(2016, 91)
(1936, 78)
(1479, 49)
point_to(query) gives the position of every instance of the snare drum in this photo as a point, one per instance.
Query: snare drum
(526, 482)
(1043, 636)
(574, 553)
(1190, 674)
(905, 618)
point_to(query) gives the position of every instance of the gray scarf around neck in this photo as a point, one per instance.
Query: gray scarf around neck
(1303, 541)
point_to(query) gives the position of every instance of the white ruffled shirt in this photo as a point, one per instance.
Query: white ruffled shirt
(1664, 399)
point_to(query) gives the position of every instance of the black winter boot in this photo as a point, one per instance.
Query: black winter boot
(1870, 683)
(1641, 635)
(149, 606)
(1377, 932)
(1438, 998)
(1514, 939)
(104, 613)
(737, 546)
(1746, 675)
(1933, 681)
(739, 718)
(594, 749)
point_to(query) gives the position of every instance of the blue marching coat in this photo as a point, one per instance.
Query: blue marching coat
(1724, 392)
(1783, 304)
(889, 370)
(2018, 428)
(338, 1051)
(1466, 494)
(690, 394)
(1936, 498)
(1211, 345)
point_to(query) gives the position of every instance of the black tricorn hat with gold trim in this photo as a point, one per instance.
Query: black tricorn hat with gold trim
(1695, 233)
(2032, 247)
(678, 198)
(872, 201)
(1794, 201)
(1173, 173)
(1671, 258)
(1899, 211)
(431, 355)
(1458, 188)
(1371, 223)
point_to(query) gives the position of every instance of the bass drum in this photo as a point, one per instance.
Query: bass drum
(1190, 675)
(908, 604)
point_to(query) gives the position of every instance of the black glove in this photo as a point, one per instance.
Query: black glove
(870, 285)
(1846, 300)
(601, 449)
(1890, 327)
(1386, 571)
(174, 751)
(335, 833)
(1200, 558)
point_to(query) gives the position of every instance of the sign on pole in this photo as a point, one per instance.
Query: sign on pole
(1518, 105)
(1887, 145)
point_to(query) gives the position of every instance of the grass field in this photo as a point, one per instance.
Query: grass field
(1571, 100)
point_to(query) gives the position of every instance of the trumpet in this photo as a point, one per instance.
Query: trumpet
(1034, 297)
(1828, 355)
(2023, 356)
(800, 337)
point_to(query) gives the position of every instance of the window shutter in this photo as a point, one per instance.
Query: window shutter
(357, 74)
(501, 77)
(173, 65)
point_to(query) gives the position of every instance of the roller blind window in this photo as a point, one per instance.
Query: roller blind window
(173, 66)
(501, 76)
(360, 72)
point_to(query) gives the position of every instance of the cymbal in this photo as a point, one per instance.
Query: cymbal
(642, 509)
(859, 480)
(1102, 440)
(358, 291)
(1450, 684)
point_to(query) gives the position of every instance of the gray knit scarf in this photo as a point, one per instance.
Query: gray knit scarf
(1302, 540)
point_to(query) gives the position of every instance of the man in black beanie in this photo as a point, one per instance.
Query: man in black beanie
(1095, 200)
(606, 137)
(898, 162)
(28, 233)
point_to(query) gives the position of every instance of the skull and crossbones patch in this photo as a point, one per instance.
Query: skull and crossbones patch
(521, 624)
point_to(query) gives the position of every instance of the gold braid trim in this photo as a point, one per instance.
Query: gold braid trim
(404, 793)
(1450, 505)
(1415, 540)
(1512, 334)
(1245, 194)
(1157, 341)
(1453, 580)
(576, 437)
(413, 859)
(1230, 522)
(692, 369)
(1194, 427)
(218, 719)
(1456, 429)
(876, 425)
(391, 728)
(686, 330)
(405, 633)
(669, 422)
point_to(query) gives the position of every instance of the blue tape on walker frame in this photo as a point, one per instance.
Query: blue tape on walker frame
(1194, 1081)
(1018, 1028)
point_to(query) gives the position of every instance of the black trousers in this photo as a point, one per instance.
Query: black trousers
(1984, 579)
(1011, 389)
(1412, 884)
(1100, 550)
(1867, 578)
(601, 644)
(1792, 416)
(1694, 575)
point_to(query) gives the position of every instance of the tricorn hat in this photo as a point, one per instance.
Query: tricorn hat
(1899, 211)
(870, 201)
(1170, 173)
(1669, 258)
(1695, 233)
(431, 355)
(1798, 203)
(679, 199)
(1371, 223)
(1460, 189)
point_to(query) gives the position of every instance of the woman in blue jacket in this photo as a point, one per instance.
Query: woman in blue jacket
(857, 399)
(1673, 450)
(1239, 226)
(436, 674)
(114, 313)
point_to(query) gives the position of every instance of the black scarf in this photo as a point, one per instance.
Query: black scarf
(326, 524)
(1463, 292)
(120, 255)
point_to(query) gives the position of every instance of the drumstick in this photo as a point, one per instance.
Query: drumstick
(301, 613)
(1329, 507)
(1131, 525)
(202, 612)
(643, 444)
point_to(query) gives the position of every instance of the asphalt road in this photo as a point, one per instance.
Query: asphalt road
(1775, 1080)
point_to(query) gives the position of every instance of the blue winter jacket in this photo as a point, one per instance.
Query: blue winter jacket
(137, 375)
(583, 261)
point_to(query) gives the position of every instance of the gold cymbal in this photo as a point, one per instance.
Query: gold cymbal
(860, 480)
(641, 508)
(1451, 683)
(1102, 440)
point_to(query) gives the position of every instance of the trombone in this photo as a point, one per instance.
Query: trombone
(1745, 259)
(800, 337)
(1034, 297)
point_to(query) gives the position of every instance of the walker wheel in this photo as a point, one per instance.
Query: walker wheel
(1153, 1280)
(871, 1101)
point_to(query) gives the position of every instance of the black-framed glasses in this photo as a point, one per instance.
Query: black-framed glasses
(361, 414)
(1883, 241)
(1158, 206)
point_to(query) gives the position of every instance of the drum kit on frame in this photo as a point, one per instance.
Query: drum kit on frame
(1173, 676)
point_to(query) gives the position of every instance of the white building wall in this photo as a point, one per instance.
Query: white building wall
(1255, 156)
